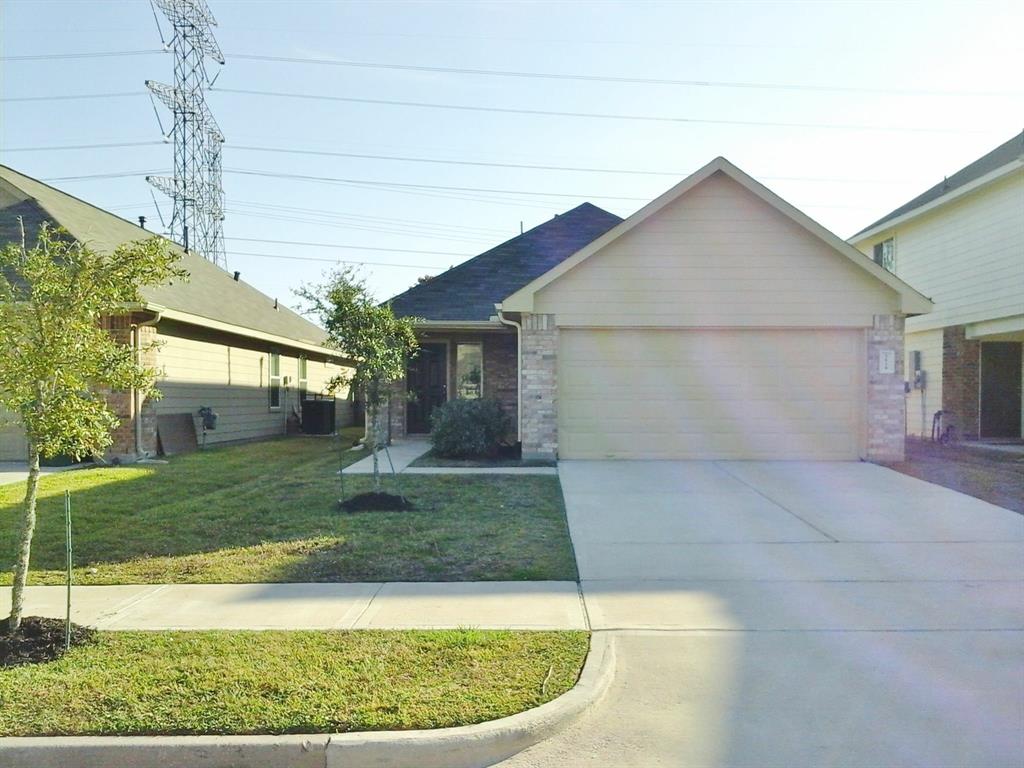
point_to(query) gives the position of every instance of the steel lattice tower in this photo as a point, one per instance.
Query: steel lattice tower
(195, 187)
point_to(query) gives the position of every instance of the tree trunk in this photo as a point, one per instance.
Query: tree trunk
(28, 527)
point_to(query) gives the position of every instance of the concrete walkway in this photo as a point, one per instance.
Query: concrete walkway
(405, 452)
(17, 471)
(795, 614)
(427, 605)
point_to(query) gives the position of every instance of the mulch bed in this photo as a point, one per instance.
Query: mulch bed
(993, 476)
(38, 640)
(376, 502)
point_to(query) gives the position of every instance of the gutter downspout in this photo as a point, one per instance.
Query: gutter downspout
(136, 394)
(519, 369)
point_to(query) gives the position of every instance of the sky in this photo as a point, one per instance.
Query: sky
(845, 109)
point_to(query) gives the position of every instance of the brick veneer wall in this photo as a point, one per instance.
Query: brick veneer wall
(120, 401)
(500, 367)
(961, 371)
(540, 387)
(886, 405)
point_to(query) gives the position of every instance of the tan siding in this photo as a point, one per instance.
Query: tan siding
(968, 256)
(234, 381)
(922, 404)
(718, 256)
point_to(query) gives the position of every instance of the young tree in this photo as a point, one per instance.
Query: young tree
(369, 333)
(55, 353)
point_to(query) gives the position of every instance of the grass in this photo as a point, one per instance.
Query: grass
(145, 683)
(429, 459)
(267, 512)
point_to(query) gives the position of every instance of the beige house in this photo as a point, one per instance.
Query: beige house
(221, 343)
(717, 322)
(962, 243)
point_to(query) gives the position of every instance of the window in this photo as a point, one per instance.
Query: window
(885, 254)
(469, 371)
(303, 380)
(275, 380)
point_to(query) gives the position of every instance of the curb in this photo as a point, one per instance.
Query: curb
(470, 746)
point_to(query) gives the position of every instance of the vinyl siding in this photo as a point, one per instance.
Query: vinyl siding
(922, 404)
(233, 377)
(968, 256)
(717, 257)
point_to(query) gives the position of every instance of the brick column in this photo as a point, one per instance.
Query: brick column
(540, 387)
(961, 371)
(120, 401)
(394, 428)
(886, 411)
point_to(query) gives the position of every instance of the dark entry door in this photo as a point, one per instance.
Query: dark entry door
(427, 381)
(1000, 388)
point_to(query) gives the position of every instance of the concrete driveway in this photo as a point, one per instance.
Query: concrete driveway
(796, 614)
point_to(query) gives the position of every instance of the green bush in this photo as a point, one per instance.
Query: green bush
(469, 429)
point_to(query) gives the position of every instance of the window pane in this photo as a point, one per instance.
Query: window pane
(275, 396)
(275, 364)
(469, 371)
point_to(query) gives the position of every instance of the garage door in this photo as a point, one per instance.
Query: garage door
(721, 394)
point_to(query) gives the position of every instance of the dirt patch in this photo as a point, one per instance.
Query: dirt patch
(991, 475)
(38, 640)
(376, 502)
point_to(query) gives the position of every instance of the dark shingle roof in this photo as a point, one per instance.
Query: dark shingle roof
(997, 158)
(470, 290)
(210, 292)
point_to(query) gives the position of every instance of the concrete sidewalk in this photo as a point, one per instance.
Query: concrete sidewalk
(405, 452)
(397, 605)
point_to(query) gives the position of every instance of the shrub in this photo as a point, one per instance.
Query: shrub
(469, 429)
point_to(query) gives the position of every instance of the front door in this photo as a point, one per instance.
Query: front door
(427, 381)
(1000, 388)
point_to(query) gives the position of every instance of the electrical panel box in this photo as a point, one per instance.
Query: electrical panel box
(920, 378)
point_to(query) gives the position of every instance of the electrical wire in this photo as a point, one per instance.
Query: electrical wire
(577, 77)
(333, 261)
(349, 247)
(589, 115)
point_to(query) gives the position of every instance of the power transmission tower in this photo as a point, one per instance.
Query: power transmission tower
(196, 187)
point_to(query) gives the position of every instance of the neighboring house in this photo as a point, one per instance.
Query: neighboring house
(962, 243)
(222, 343)
(717, 322)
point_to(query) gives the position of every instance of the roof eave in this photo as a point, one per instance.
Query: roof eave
(948, 197)
(238, 330)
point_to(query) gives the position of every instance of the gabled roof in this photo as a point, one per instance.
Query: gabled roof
(1005, 156)
(912, 302)
(468, 292)
(210, 297)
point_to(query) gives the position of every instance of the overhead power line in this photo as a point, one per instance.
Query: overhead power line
(64, 147)
(615, 79)
(376, 183)
(504, 73)
(332, 261)
(73, 96)
(350, 247)
(587, 115)
(82, 55)
(446, 161)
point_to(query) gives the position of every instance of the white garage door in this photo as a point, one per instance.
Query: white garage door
(711, 394)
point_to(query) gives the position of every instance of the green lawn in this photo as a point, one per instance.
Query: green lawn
(135, 683)
(266, 512)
